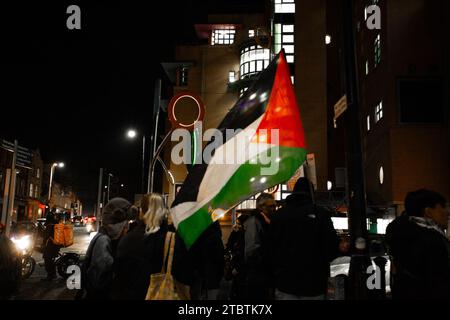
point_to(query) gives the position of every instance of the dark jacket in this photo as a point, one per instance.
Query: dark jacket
(256, 252)
(420, 261)
(203, 264)
(138, 256)
(303, 242)
(98, 267)
(9, 268)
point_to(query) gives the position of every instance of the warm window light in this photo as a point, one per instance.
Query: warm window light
(327, 39)
(329, 185)
(381, 175)
(231, 77)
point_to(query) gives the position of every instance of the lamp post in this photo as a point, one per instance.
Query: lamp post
(131, 134)
(52, 171)
(109, 184)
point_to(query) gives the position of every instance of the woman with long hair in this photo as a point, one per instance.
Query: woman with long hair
(140, 251)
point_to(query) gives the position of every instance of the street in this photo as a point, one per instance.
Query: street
(35, 289)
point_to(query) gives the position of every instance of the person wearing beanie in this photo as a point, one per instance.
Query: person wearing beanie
(302, 242)
(98, 274)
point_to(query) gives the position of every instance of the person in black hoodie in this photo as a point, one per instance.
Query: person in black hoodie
(303, 242)
(418, 247)
(140, 251)
(202, 266)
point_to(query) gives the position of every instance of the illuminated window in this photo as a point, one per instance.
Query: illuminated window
(242, 91)
(231, 77)
(36, 191)
(38, 173)
(251, 33)
(31, 190)
(379, 112)
(381, 175)
(284, 6)
(327, 39)
(183, 76)
(223, 36)
(292, 79)
(290, 58)
(367, 67)
(368, 123)
(288, 38)
(377, 50)
(253, 60)
(288, 28)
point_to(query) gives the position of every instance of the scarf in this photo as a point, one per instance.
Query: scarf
(427, 223)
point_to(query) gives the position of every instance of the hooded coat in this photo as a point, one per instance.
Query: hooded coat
(303, 242)
(420, 260)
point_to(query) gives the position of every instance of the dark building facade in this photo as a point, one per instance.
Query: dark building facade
(403, 71)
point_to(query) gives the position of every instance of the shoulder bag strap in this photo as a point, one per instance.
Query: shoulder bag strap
(166, 250)
(172, 246)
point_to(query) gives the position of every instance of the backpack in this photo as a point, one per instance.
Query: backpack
(86, 287)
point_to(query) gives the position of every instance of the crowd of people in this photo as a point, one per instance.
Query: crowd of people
(281, 253)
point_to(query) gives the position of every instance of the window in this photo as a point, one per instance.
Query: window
(381, 175)
(253, 60)
(377, 50)
(242, 91)
(284, 39)
(288, 38)
(31, 190)
(379, 112)
(368, 123)
(288, 28)
(184, 72)
(251, 33)
(327, 39)
(284, 6)
(421, 100)
(231, 76)
(292, 79)
(38, 173)
(367, 67)
(223, 36)
(36, 191)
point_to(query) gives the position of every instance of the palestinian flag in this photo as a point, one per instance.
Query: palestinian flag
(270, 146)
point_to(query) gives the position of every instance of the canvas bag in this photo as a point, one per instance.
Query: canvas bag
(162, 285)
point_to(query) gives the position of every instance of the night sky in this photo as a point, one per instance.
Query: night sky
(73, 93)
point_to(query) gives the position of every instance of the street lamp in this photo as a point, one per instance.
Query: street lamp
(131, 134)
(52, 170)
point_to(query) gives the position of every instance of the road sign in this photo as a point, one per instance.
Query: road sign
(340, 107)
(24, 155)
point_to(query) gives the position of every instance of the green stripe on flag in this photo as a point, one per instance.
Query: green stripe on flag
(240, 187)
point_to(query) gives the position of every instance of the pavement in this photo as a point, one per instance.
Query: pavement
(35, 289)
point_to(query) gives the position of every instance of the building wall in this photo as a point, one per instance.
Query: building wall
(311, 79)
(414, 44)
(208, 78)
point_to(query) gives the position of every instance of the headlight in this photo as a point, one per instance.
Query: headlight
(22, 243)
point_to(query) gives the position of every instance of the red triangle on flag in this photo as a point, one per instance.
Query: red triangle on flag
(282, 112)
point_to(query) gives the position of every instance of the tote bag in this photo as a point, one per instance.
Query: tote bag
(162, 285)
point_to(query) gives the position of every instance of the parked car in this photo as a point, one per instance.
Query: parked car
(77, 220)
